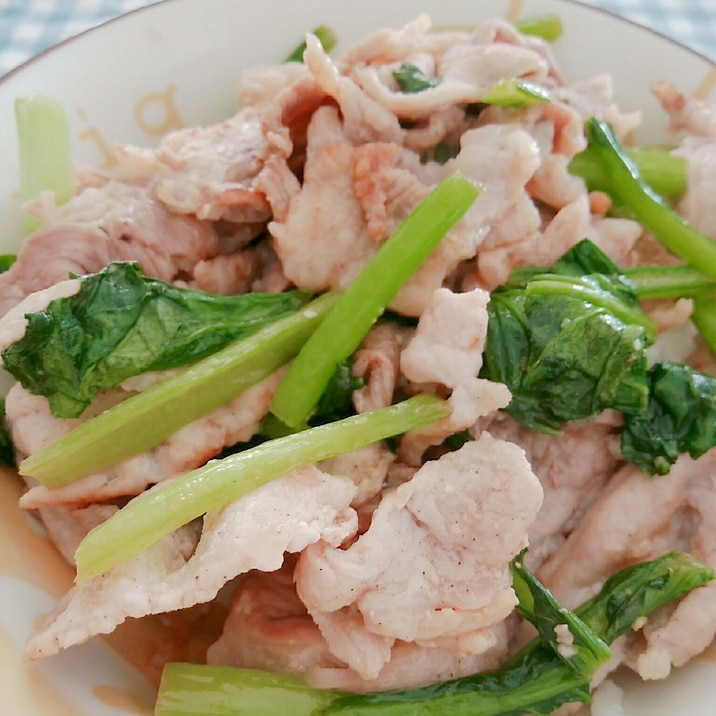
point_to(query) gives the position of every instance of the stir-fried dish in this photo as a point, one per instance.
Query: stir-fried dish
(408, 365)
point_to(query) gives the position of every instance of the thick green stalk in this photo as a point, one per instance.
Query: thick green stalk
(367, 297)
(155, 514)
(192, 689)
(647, 206)
(143, 421)
(45, 151)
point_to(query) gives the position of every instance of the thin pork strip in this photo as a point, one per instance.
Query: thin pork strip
(434, 562)
(206, 171)
(253, 532)
(114, 222)
(446, 349)
(33, 427)
(630, 521)
(269, 628)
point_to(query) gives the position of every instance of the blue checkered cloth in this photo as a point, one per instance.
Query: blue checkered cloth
(30, 26)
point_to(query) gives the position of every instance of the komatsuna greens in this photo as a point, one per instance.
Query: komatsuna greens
(570, 341)
(122, 323)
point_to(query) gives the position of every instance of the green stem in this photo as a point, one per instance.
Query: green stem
(45, 151)
(143, 421)
(517, 92)
(647, 206)
(670, 282)
(367, 297)
(665, 173)
(704, 318)
(156, 514)
(548, 27)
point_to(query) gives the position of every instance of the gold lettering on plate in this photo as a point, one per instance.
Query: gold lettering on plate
(168, 118)
(94, 135)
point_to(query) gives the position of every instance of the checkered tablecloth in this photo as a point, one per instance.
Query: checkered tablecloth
(30, 26)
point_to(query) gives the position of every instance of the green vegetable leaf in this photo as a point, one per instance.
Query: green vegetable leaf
(680, 418)
(6, 261)
(122, 324)
(412, 79)
(337, 400)
(572, 640)
(568, 344)
(7, 451)
(325, 36)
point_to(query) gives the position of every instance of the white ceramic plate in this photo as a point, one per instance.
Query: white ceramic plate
(178, 62)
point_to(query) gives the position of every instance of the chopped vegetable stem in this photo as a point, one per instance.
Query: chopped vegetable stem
(155, 514)
(144, 420)
(704, 318)
(45, 151)
(548, 27)
(367, 297)
(647, 206)
(670, 282)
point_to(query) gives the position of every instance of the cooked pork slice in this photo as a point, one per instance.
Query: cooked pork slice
(465, 70)
(114, 222)
(366, 466)
(33, 427)
(366, 120)
(377, 362)
(208, 172)
(695, 205)
(434, 562)
(447, 350)
(68, 526)
(253, 532)
(686, 629)
(227, 274)
(269, 628)
(572, 468)
(693, 116)
(631, 520)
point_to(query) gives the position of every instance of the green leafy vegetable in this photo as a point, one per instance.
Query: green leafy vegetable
(517, 93)
(412, 79)
(536, 680)
(155, 514)
(572, 640)
(7, 451)
(628, 187)
(325, 36)
(144, 420)
(548, 27)
(680, 418)
(367, 297)
(568, 343)
(122, 324)
(6, 261)
(45, 151)
(337, 400)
